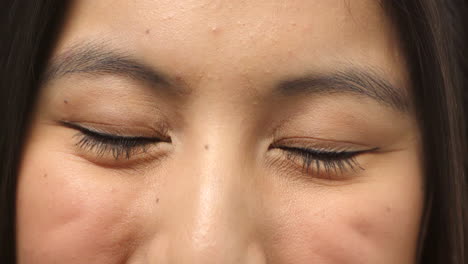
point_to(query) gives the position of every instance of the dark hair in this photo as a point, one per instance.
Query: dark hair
(433, 38)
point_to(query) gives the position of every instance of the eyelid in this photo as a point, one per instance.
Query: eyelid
(317, 144)
(325, 152)
(99, 146)
(323, 159)
(160, 136)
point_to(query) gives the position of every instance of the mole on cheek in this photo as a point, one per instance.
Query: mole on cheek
(65, 101)
(147, 31)
(388, 209)
(207, 147)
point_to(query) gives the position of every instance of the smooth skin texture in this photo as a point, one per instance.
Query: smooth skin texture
(222, 186)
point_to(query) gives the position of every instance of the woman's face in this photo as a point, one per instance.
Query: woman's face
(198, 131)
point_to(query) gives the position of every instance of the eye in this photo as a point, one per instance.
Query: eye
(116, 146)
(324, 162)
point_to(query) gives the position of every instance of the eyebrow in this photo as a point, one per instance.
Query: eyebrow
(356, 81)
(97, 59)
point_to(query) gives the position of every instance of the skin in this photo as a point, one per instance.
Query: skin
(219, 190)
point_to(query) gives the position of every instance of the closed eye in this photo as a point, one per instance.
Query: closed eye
(116, 145)
(320, 161)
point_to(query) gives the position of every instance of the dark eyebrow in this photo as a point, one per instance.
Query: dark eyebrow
(361, 82)
(98, 59)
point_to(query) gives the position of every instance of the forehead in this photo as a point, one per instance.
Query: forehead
(241, 37)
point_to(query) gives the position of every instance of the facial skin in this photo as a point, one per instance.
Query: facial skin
(217, 174)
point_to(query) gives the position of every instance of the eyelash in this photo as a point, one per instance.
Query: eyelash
(332, 161)
(117, 146)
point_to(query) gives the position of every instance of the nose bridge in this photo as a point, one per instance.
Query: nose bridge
(217, 215)
(216, 224)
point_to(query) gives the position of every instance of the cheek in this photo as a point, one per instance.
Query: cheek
(346, 227)
(320, 238)
(67, 217)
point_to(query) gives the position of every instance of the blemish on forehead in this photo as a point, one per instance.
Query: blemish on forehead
(147, 31)
(167, 17)
(207, 147)
(215, 30)
(65, 101)
(240, 23)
